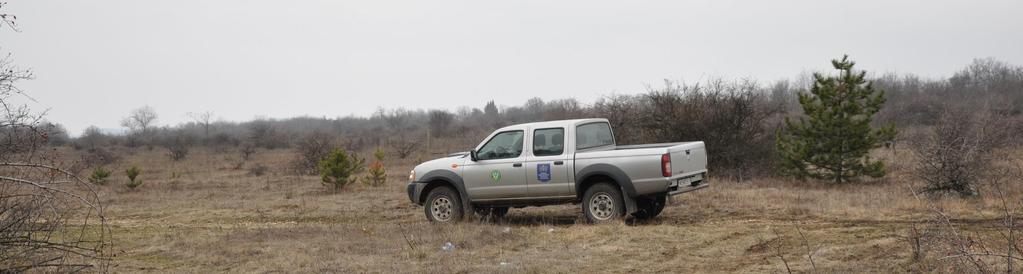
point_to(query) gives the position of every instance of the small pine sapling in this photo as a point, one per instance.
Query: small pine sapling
(99, 176)
(377, 175)
(133, 180)
(339, 169)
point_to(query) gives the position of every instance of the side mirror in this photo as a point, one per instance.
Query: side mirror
(472, 155)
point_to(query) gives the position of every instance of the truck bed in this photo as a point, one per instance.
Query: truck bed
(642, 163)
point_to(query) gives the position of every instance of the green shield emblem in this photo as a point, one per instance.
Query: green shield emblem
(495, 175)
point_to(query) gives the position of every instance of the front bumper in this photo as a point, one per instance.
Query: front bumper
(415, 189)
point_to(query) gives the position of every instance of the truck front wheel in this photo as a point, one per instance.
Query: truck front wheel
(443, 205)
(603, 203)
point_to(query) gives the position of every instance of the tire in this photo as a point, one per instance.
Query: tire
(603, 203)
(491, 212)
(443, 205)
(650, 207)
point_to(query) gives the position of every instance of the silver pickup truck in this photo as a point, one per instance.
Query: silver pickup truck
(557, 162)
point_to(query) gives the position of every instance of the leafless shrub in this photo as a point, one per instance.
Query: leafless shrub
(246, 150)
(778, 248)
(404, 145)
(355, 143)
(956, 154)
(963, 252)
(177, 145)
(258, 170)
(810, 250)
(262, 133)
(92, 138)
(312, 149)
(177, 151)
(92, 158)
(561, 109)
(623, 112)
(50, 219)
(728, 116)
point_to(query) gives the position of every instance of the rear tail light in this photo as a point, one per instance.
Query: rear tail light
(666, 165)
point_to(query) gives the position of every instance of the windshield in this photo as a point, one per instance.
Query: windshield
(506, 144)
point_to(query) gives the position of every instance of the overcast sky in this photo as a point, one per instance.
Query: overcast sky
(97, 60)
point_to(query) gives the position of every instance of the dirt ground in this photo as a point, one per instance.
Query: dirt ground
(208, 213)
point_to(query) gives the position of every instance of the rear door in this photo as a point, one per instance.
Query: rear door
(498, 172)
(548, 164)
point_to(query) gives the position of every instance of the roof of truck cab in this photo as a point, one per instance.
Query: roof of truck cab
(556, 123)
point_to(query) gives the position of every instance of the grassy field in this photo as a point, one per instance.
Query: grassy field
(208, 213)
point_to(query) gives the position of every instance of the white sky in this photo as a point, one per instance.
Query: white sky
(97, 60)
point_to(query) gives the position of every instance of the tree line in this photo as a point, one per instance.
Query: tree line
(738, 119)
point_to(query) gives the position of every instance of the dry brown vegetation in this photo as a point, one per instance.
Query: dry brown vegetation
(209, 214)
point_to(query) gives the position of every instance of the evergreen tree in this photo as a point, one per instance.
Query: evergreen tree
(376, 175)
(339, 169)
(834, 141)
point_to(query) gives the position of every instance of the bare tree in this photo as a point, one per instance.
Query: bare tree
(534, 107)
(7, 19)
(50, 220)
(141, 120)
(204, 119)
(140, 123)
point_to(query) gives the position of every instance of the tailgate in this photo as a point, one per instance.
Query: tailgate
(688, 158)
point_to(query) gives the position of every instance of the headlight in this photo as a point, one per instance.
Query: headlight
(412, 176)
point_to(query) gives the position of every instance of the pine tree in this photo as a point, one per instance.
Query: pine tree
(339, 169)
(834, 141)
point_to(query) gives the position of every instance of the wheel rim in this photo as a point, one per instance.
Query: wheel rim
(602, 207)
(441, 209)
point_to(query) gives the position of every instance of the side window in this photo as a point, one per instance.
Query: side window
(548, 141)
(593, 135)
(506, 144)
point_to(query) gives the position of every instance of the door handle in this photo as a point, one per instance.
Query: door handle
(558, 163)
(517, 165)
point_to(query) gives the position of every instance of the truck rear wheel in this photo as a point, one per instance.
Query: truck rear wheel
(603, 203)
(650, 207)
(443, 205)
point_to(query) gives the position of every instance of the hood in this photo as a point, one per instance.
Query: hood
(441, 163)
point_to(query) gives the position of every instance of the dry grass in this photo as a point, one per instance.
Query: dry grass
(208, 213)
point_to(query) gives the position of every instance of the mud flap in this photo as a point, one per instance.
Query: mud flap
(630, 203)
(467, 209)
